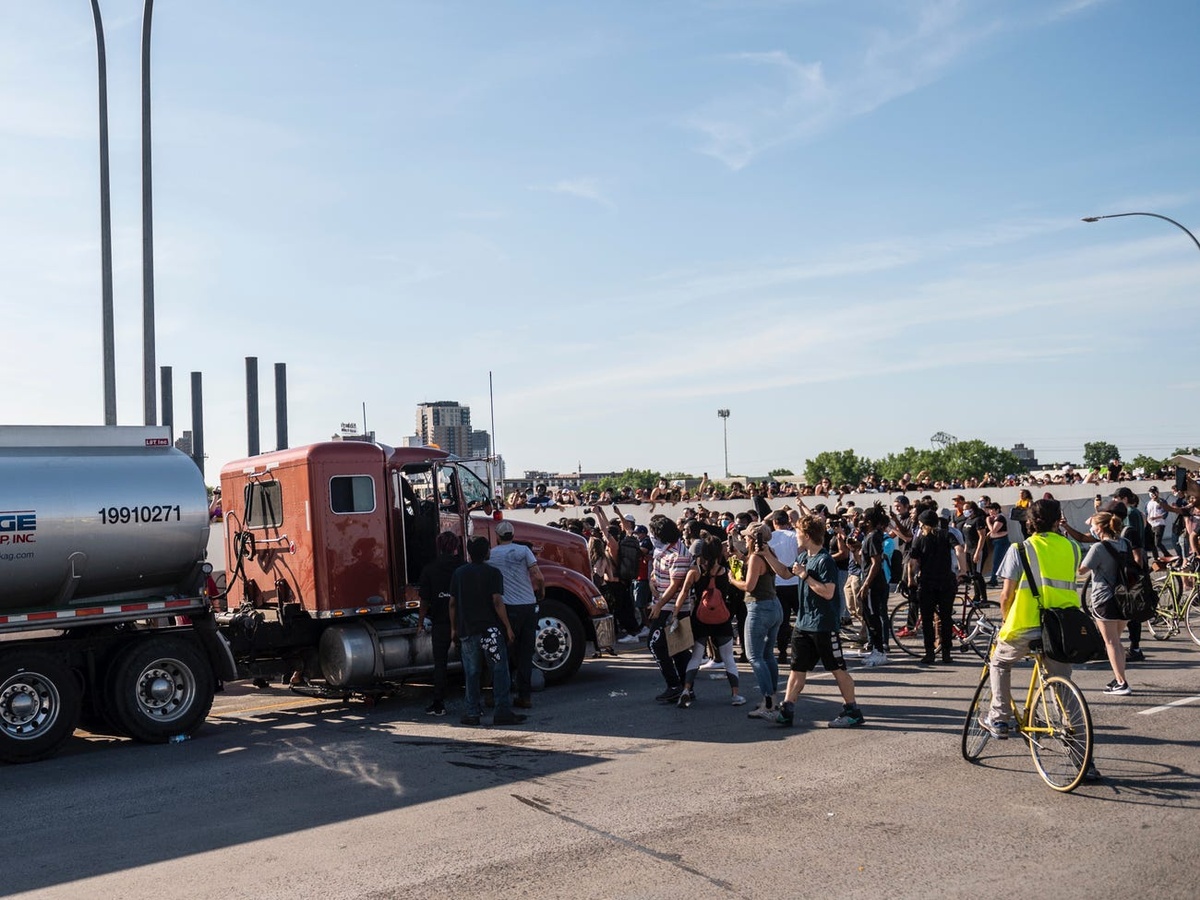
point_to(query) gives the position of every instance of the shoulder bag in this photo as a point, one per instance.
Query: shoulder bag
(1068, 633)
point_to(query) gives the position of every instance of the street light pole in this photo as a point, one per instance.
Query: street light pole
(724, 414)
(1152, 215)
(150, 400)
(106, 273)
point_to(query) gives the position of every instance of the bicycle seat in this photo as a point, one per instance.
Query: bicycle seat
(1035, 646)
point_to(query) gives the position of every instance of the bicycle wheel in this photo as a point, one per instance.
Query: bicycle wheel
(974, 735)
(1191, 617)
(1162, 622)
(1060, 733)
(908, 637)
(978, 632)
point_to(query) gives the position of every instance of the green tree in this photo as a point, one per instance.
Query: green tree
(1186, 451)
(1096, 454)
(780, 473)
(974, 459)
(839, 466)
(1148, 463)
(635, 478)
(909, 460)
(677, 476)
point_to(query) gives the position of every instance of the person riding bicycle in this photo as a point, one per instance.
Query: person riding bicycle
(1054, 561)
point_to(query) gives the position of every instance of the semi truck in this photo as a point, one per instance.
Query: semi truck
(110, 616)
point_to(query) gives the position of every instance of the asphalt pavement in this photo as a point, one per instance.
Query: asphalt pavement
(605, 793)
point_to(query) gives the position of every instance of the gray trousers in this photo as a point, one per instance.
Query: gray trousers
(1005, 655)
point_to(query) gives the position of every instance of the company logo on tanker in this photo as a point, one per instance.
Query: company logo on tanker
(17, 526)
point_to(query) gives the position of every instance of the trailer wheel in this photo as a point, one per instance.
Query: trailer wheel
(159, 687)
(39, 706)
(560, 643)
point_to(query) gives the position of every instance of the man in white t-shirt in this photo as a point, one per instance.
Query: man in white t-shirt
(523, 588)
(784, 545)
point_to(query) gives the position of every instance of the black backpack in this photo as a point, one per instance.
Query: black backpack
(629, 554)
(1133, 592)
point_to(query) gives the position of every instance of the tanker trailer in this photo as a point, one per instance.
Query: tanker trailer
(103, 612)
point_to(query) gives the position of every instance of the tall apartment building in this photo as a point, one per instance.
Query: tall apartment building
(447, 424)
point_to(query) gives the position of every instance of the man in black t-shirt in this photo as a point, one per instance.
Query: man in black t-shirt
(478, 618)
(931, 573)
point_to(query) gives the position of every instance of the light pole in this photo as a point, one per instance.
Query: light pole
(724, 414)
(106, 273)
(150, 401)
(1152, 215)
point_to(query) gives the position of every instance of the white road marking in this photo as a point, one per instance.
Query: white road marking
(1154, 709)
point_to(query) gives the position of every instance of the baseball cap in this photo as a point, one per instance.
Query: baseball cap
(629, 518)
(958, 497)
(504, 529)
(1117, 508)
(640, 529)
(1124, 493)
(928, 517)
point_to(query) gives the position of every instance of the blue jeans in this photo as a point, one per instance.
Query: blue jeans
(473, 661)
(763, 619)
(999, 548)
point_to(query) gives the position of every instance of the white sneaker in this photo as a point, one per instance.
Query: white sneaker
(710, 664)
(644, 633)
(762, 711)
(629, 639)
(875, 658)
(737, 700)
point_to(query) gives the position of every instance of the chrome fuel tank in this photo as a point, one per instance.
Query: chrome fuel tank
(97, 513)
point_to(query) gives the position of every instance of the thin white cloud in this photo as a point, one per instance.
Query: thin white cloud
(799, 100)
(586, 188)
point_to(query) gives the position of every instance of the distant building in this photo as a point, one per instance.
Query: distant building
(446, 424)
(184, 442)
(1026, 456)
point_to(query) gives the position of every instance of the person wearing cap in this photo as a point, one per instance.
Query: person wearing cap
(763, 615)
(931, 573)
(524, 586)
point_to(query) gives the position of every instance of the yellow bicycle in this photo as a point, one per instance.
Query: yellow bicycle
(1055, 721)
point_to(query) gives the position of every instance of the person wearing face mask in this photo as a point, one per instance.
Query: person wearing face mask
(764, 613)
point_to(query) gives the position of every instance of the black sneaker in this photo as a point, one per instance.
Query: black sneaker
(436, 708)
(670, 695)
(785, 716)
(686, 699)
(1117, 688)
(508, 718)
(1135, 655)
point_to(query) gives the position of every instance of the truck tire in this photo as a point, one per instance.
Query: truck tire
(560, 643)
(39, 706)
(160, 687)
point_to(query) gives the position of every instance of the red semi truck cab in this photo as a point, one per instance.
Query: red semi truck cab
(325, 547)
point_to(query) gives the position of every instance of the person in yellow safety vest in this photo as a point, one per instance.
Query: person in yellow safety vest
(1054, 561)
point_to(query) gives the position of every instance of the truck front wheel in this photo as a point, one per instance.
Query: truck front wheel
(159, 687)
(39, 706)
(560, 643)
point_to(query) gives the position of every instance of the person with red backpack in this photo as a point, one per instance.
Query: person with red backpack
(708, 581)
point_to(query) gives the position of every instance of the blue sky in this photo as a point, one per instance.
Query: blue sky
(851, 224)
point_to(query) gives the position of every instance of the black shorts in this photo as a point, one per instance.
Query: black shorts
(811, 647)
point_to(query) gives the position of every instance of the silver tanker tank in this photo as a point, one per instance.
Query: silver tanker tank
(95, 513)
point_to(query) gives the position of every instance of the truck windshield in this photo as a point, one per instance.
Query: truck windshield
(475, 492)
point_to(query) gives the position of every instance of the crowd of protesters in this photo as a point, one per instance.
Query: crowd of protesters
(786, 583)
(542, 497)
